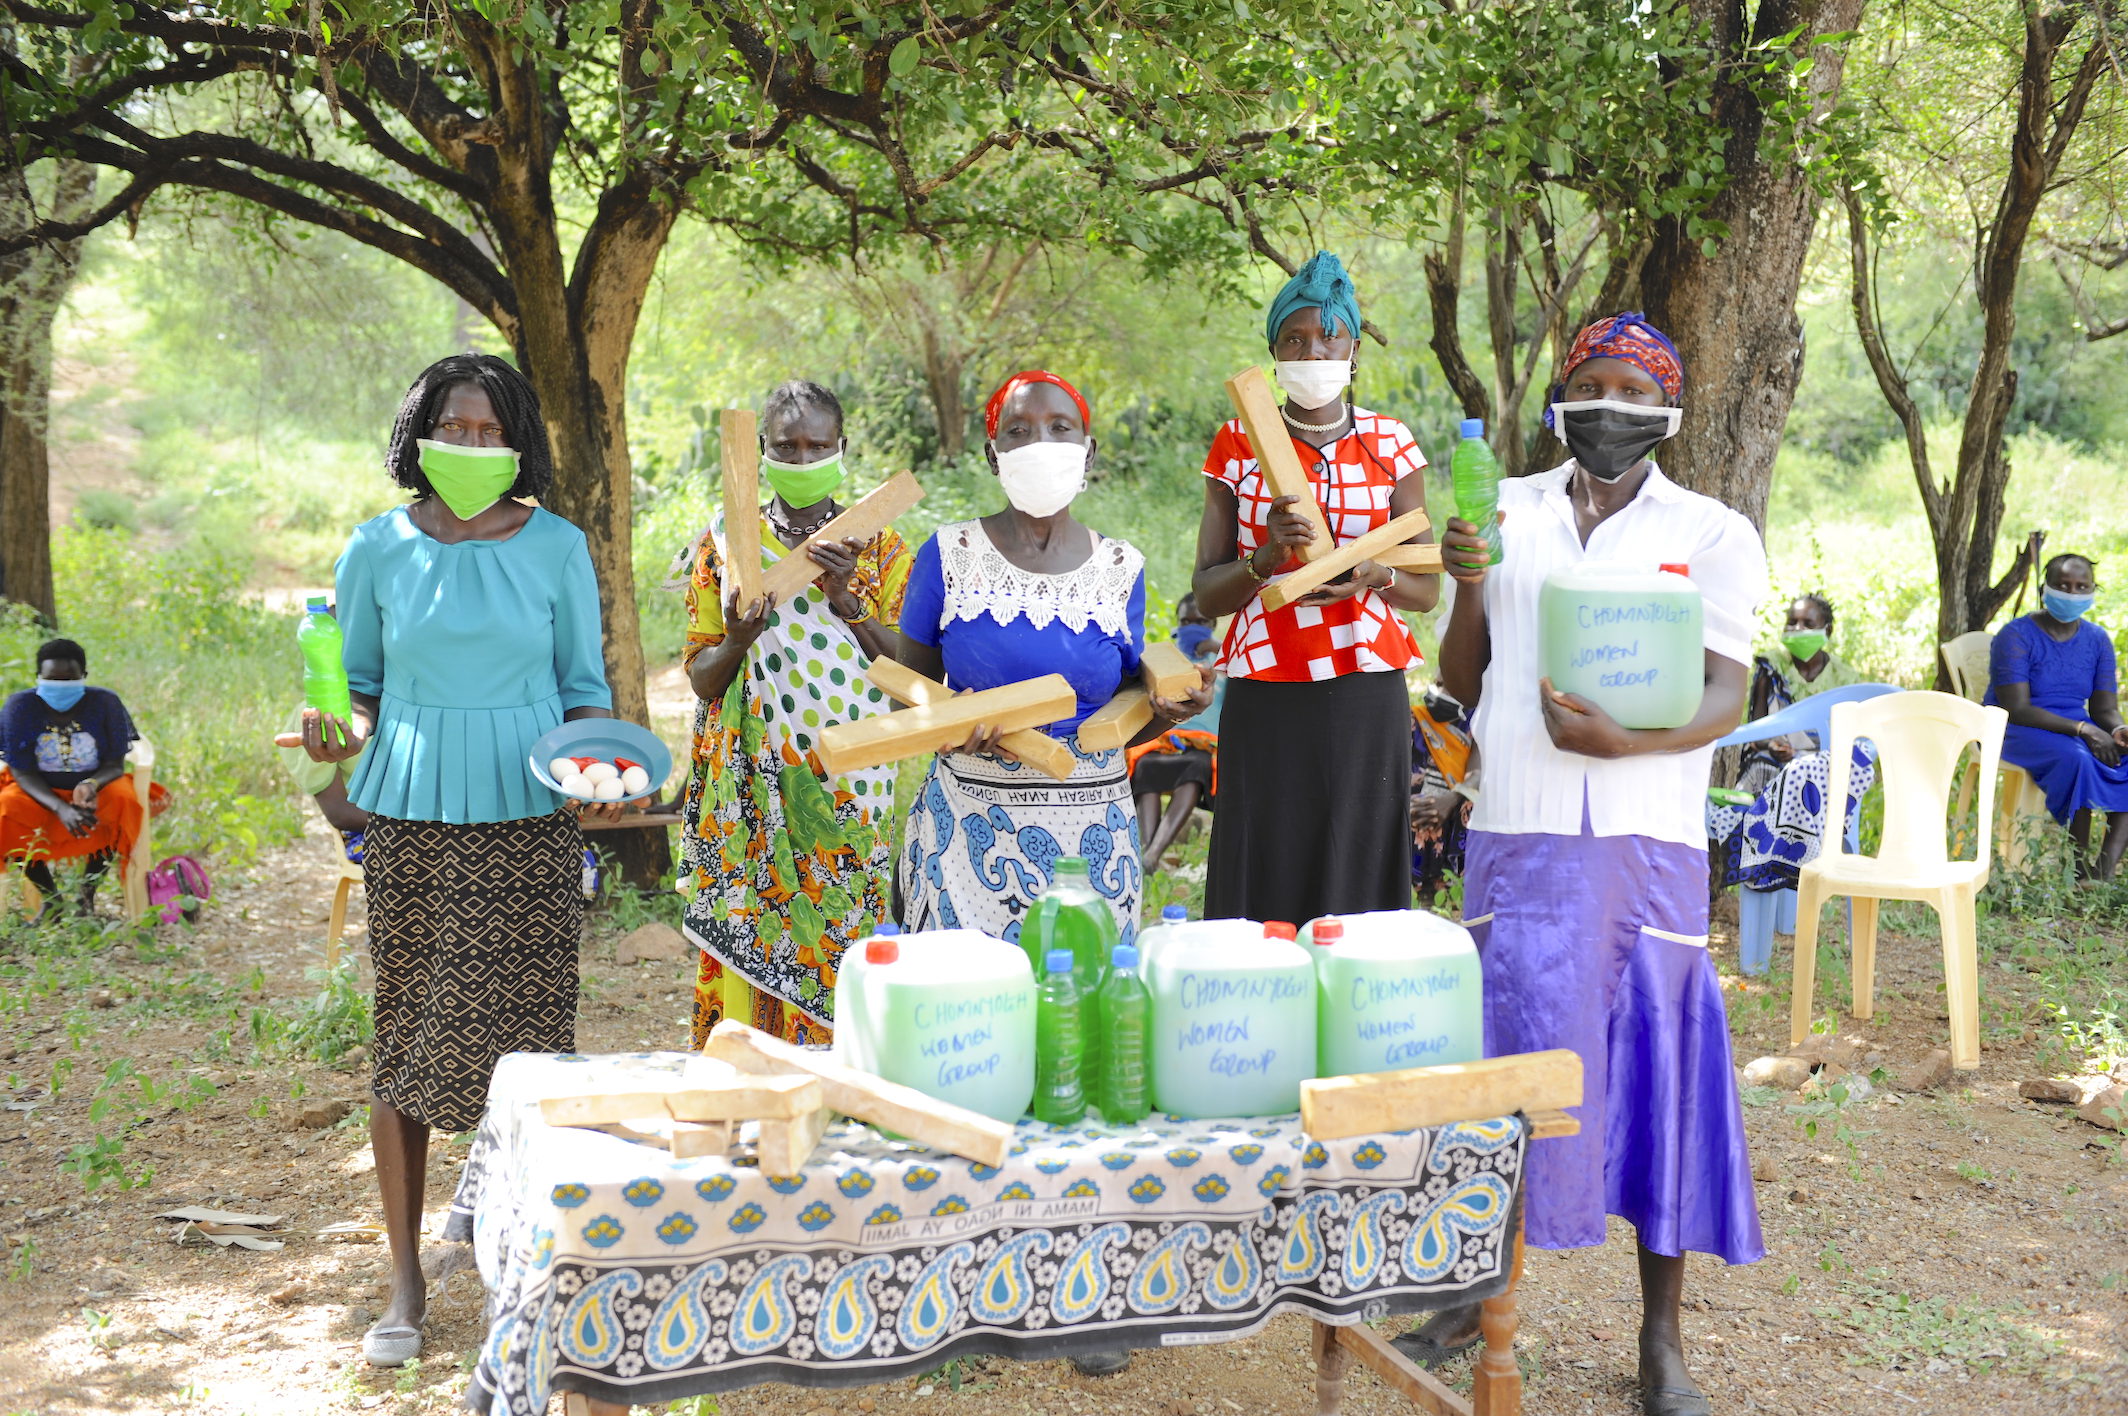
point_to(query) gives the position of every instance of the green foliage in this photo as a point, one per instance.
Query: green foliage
(1854, 532)
(1897, 1330)
(198, 662)
(337, 1018)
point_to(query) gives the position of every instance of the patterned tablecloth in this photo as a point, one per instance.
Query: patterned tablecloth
(614, 1270)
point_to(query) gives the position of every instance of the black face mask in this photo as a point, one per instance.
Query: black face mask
(1610, 441)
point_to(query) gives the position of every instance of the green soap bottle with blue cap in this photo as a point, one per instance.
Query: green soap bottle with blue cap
(1475, 473)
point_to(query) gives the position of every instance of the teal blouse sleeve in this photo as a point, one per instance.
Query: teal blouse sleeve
(361, 619)
(579, 653)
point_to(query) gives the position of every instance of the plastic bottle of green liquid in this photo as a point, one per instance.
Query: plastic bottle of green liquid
(1476, 475)
(1071, 914)
(1059, 1097)
(1124, 1006)
(324, 671)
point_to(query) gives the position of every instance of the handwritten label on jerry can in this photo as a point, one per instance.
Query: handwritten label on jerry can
(1626, 637)
(1233, 1022)
(950, 1013)
(1399, 988)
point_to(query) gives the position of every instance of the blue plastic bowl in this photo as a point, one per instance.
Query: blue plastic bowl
(605, 738)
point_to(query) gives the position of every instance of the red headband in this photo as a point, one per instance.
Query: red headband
(996, 406)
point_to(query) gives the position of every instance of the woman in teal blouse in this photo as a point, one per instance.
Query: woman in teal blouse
(471, 621)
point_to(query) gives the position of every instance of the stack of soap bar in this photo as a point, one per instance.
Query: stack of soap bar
(1400, 989)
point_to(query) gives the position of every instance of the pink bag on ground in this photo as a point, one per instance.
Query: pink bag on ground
(174, 878)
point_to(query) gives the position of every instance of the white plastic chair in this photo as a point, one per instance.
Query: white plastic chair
(2017, 797)
(1919, 737)
(343, 886)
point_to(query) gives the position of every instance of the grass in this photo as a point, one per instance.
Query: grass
(1895, 1330)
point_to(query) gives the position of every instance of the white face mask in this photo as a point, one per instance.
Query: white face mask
(1041, 478)
(1314, 383)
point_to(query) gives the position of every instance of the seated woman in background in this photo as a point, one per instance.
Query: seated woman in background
(1444, 788)
(2054, 672)
(1023, 592)
(64, 794)
(784, 864)
(1802, 666)
(1763, 838)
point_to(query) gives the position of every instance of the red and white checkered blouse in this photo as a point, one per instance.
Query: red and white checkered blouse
(1352, 479)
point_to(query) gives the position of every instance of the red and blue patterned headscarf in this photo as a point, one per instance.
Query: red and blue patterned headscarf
(995, 408)
(1630, 337)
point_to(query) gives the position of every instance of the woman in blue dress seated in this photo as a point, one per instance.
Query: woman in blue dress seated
(1023, 592)
(2054, 672)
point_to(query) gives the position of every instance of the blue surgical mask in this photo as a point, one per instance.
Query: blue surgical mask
(2064, 606)
(61, 694)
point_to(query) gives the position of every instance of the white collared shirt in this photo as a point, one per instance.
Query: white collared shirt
(1528, 785)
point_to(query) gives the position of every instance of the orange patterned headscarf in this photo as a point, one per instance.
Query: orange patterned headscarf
(995, 408)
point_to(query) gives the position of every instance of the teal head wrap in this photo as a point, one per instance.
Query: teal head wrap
(1321, 284)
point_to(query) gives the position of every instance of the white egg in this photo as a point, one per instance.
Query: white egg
(635, 781)
(608, 790)
(602, 772)
(561, 767)
(576, 785)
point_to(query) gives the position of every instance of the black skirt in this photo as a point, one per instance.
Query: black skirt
(1314, 799)
(473, 931)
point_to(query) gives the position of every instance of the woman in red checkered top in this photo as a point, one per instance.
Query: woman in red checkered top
(1315, 735)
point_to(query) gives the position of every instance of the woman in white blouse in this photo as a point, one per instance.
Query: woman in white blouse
(1586, 883)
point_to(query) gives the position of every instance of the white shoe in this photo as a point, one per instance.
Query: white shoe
(393, 1346)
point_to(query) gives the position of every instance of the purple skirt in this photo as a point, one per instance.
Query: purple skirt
(1599, 943)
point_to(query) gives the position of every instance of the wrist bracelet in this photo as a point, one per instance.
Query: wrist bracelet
(865, 613)
(1248, 563)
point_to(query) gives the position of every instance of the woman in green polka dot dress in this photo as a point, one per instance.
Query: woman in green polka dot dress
(785, 865)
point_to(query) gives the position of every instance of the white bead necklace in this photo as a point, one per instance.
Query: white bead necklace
(1329, 427)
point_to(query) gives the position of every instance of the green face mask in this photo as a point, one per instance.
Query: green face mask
(803, 483)
(468, 479)
(1804, 645)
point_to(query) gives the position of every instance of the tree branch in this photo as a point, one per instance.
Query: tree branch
(1444, 290)
(1869, 327)
(475, 279)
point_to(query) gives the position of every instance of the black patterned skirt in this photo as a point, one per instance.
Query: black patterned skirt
(473, 930)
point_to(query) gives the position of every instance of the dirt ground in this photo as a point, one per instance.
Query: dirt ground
(1956, 1252)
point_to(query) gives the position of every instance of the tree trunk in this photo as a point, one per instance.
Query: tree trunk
(33, 284)
(942, 378)
(1732, 314)
(1969, 593)
(572, 337)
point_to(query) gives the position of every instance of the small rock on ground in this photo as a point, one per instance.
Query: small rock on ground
(1781, 1073)
(651, 942)
(2068, 1091)
(318, 1115)
(1929, 1073)
(2108, 1108)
